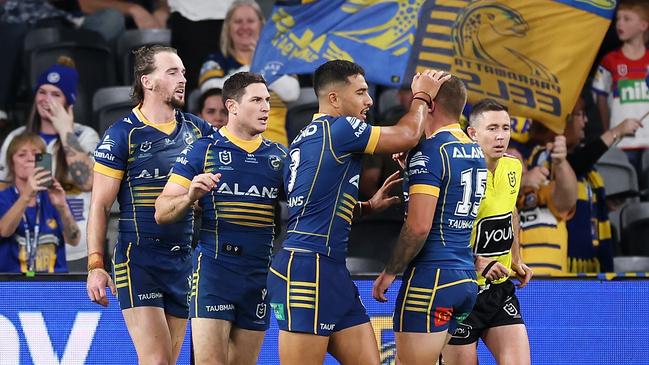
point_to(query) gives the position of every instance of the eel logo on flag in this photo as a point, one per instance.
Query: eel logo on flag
(377, 34)
(507, 23)
(533, 56)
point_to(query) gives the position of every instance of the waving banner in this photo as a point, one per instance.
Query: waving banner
(532, 55)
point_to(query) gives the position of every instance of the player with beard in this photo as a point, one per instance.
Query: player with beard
(152, 263)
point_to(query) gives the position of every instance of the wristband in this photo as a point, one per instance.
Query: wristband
(95, 261)
(488, 267)
(100, 270)
(428, 101)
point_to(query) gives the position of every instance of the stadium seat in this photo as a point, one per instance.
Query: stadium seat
(92, 56)
(133, 39)
(297, 117)
(364, 266)
(634, 221)
(644, 174)
(109, 105)
(620, 177)
(631, 264)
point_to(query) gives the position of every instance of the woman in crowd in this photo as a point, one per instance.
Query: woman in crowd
(241, 27)
(71, 145)
(36, 219)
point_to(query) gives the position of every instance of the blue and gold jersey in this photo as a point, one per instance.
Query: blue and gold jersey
(451, 167)
(141, 154)
(322, 182)
(238, 214)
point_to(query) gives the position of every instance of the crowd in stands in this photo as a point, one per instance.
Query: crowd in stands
(568, 221)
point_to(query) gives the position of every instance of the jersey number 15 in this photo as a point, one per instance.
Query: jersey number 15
(466, 206)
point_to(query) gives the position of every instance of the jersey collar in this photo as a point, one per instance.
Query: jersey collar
(166, 128)
(248, 146)
(448, 128)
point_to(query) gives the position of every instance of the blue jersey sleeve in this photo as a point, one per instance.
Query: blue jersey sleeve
(425, 169)
(352, 135)
(203, 127)
(111, 155)
(190, 163)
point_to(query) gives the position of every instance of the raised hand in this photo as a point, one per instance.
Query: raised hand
(202, 184)
(382, 199)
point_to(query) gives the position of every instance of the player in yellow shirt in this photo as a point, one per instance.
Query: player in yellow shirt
(496, 316)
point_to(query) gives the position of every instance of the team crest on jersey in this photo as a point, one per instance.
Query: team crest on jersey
(225, 157)
(622, 69)
(189, 138)
(512, 178)
(275, 162)
(145, 146)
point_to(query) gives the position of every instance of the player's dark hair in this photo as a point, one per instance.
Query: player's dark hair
(334, 71)
(145, 64)
(451, 97)
(483, 106)
(209, 92)
(235, 86)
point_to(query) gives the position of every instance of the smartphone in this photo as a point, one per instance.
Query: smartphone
(44, 160)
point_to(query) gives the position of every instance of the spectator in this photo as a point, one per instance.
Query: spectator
(549, 195)
(590, 246)
(70, 143)
(239, 36)
(36, 220)
(189, 18)
(620, 79)
(211, 108)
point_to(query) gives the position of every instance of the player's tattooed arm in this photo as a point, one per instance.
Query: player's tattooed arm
(79, 162)
(410, 243)
(421, 211)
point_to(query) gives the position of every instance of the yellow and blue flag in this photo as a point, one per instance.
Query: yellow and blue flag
(532, 55)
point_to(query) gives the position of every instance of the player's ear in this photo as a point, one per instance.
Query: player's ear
(334, 99)
(147, 83)
(472, 133)
(232, 106)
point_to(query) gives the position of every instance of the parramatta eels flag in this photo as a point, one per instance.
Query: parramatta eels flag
(532, 55)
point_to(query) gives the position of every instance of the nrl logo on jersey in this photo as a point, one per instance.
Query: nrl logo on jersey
(225, 157)
(145, 146)
(512, 178)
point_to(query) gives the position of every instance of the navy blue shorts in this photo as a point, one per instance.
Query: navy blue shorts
(434, 300)
(322, 298)
(149, 276)
(229, 293)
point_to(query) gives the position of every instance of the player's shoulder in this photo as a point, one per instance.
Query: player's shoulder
(275, 147)
(613, 57)
(511, 162)
(204, 127)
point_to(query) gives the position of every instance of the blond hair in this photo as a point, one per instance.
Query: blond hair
(16, 143)
(226, 44)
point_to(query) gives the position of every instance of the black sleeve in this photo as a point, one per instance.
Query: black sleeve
(585, 156)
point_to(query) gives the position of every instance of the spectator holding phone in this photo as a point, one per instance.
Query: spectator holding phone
(36, 219)
(71, 145)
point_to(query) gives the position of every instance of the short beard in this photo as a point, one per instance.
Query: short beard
(175, 103)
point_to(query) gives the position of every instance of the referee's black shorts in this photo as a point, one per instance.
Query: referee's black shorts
(496, 306)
